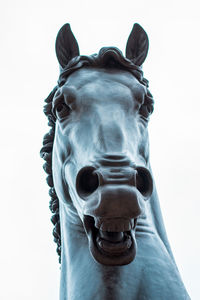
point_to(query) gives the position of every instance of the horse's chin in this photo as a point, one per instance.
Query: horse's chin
(110, 248)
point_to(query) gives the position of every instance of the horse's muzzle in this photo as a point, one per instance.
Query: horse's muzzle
(113, 191)
(113, 187)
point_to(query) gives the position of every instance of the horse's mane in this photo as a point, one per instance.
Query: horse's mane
(108, 57)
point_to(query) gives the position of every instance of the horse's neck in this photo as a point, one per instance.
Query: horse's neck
(157, 220)
(152, 275)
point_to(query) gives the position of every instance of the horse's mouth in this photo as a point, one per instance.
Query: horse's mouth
(110, 244)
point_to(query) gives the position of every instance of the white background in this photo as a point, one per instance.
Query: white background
(29, 71)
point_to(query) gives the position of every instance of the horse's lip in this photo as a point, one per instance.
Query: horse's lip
(115, 246)
(109, 251)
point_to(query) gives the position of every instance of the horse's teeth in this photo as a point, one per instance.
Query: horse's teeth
(114, 225)
(108, 227)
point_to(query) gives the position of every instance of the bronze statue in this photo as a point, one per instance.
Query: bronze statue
(109, 231)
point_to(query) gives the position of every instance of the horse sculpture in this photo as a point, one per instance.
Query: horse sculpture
(109, 230)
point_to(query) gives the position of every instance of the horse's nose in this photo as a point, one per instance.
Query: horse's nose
(144, 182)
(114, 192)
(90, 178)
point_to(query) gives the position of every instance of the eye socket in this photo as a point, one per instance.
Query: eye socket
(62, 110)
(146, 110)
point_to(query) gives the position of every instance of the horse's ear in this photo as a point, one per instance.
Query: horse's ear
(137, 45)
(66, 45)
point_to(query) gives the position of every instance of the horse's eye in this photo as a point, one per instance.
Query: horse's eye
(146, 110)
(62, 110)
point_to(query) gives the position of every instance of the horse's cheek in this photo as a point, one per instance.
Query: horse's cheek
(59, 157)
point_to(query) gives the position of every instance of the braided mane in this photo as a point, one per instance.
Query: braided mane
(108, 57)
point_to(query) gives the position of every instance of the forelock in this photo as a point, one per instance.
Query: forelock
(108, 57)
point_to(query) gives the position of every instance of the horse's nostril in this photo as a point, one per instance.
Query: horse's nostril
(87, 182)
(144, 182)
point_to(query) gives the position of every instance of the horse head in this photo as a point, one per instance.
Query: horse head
(100, 162)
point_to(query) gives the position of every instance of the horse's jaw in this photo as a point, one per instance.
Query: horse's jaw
(113, 248)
